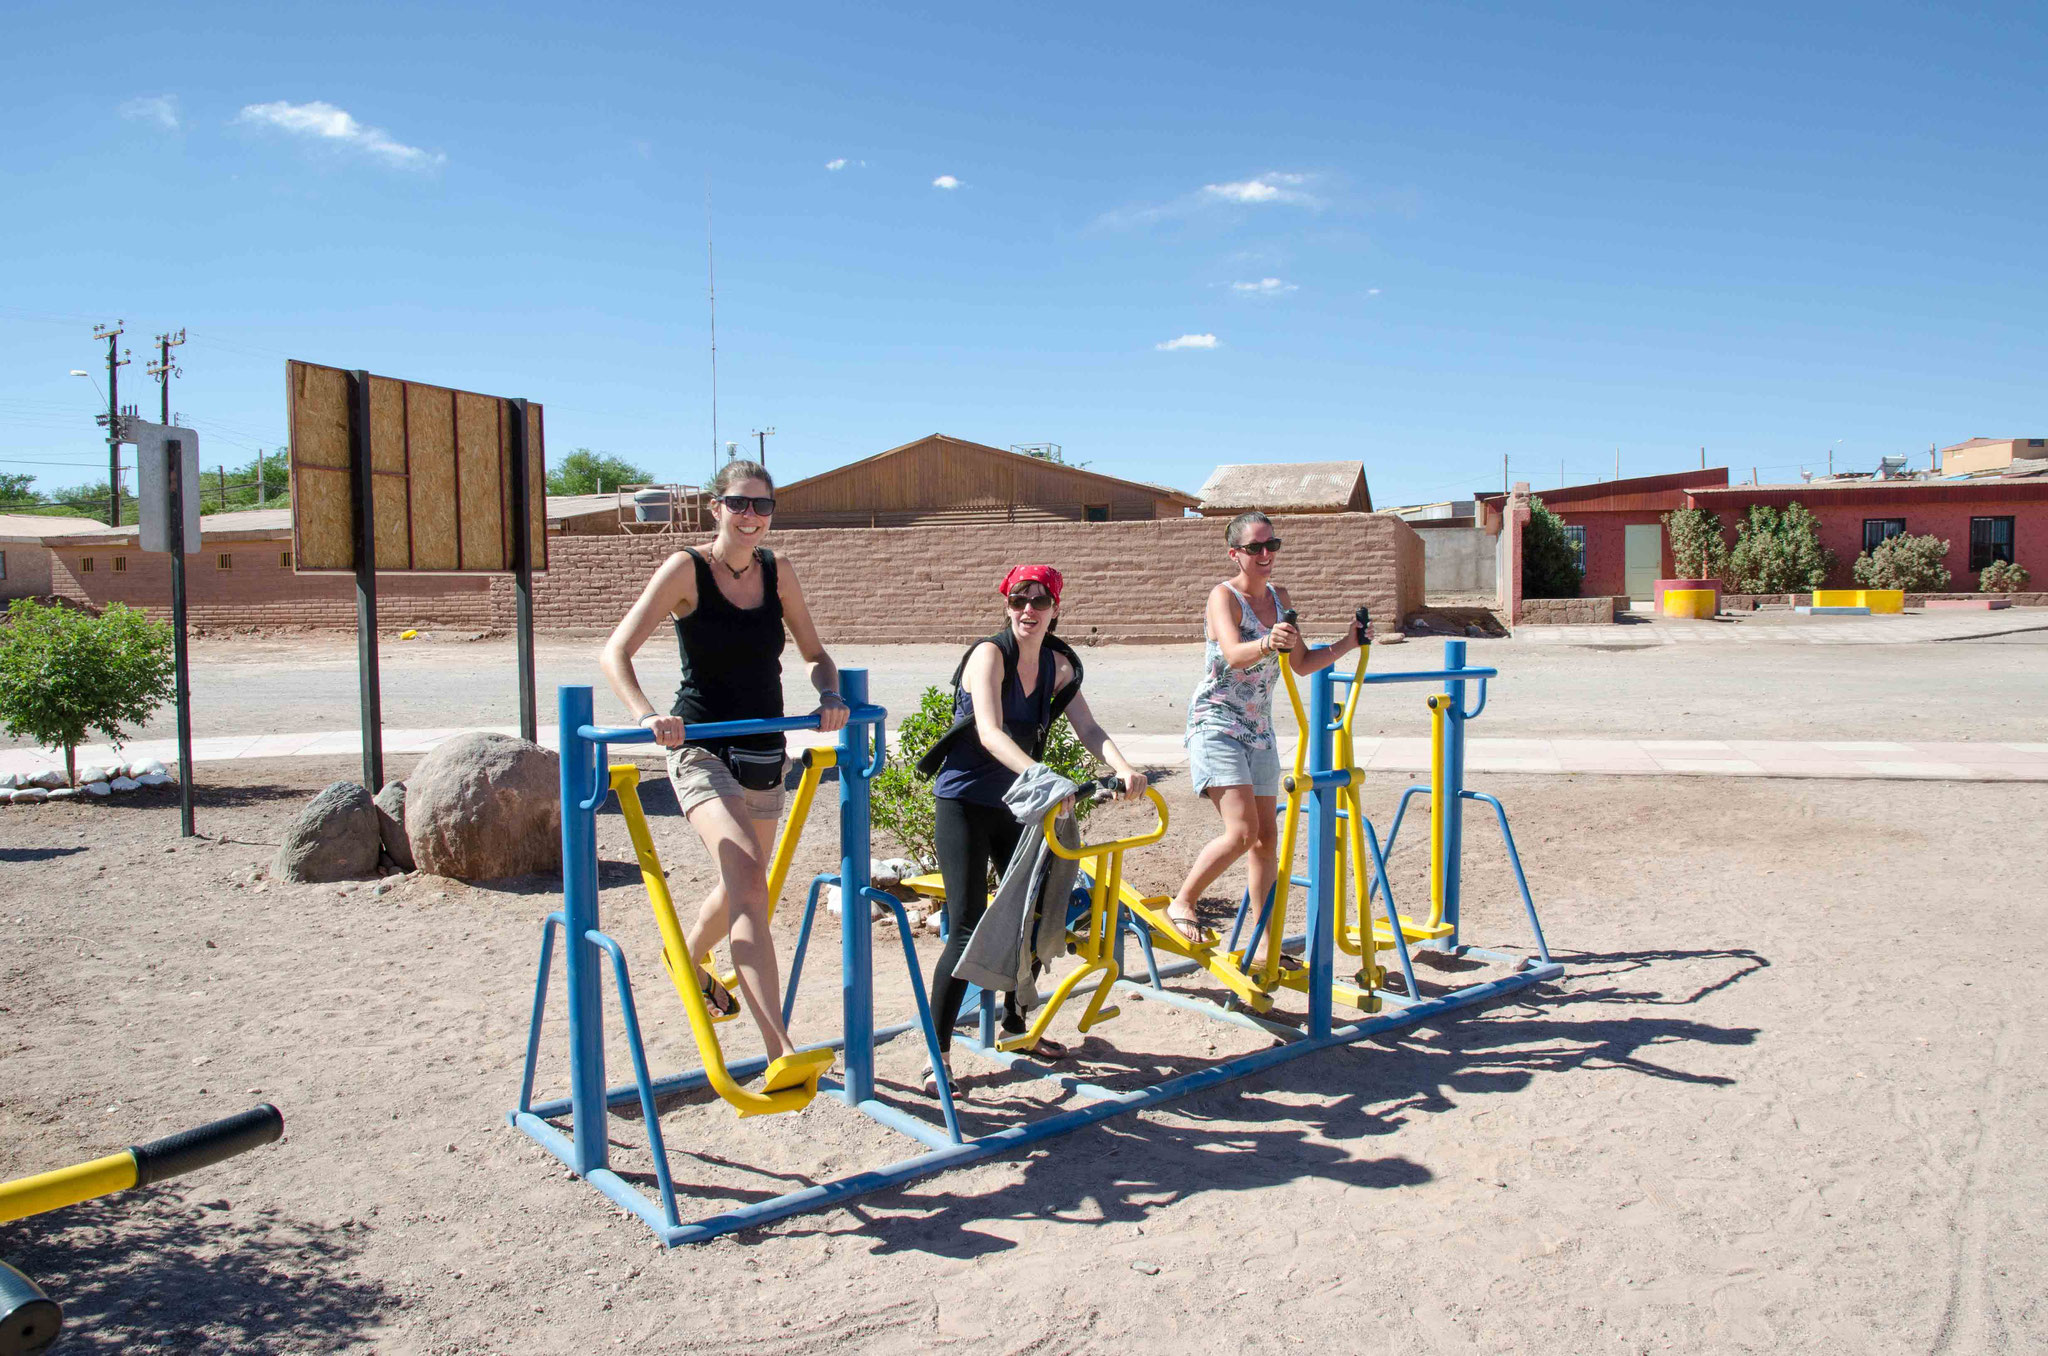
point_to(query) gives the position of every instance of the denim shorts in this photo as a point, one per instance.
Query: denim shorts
(1218, 760)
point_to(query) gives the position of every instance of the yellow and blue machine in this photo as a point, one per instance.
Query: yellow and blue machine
(1342, 850)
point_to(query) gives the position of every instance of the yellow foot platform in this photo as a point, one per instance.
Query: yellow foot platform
(798, 1071)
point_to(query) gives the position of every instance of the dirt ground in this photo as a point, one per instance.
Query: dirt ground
(1787, 1099)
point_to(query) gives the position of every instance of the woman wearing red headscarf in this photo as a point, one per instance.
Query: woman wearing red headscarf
(1009, 690)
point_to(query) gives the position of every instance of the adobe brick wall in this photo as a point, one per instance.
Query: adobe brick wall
(260, 593)
(1129, 582)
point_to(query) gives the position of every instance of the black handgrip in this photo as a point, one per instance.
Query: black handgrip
(1289, 616)
(1364, 618)
(29, 1319)
(162, 1159)
(1101, 788)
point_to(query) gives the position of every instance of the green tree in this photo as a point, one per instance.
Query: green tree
(1904, 562)
(2002, 576)
(586, 472)
(1699, 550)
(88, 501)
(1779, 551)
(17, 492)
(900, 801)
(1550, 568)
(65, 673)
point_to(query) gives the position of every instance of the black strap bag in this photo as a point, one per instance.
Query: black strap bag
(963, 726)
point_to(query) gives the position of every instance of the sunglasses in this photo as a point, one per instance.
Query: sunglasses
(1254, 548)
(1020, 601)
(762, 505)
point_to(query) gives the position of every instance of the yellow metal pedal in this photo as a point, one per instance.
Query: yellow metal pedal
(798, 1069)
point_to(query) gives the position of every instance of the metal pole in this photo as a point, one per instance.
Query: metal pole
(1322, 854)
(522, 569)
(114, 428)
(1454, 794)
(360, 476)
(579, 955)
(856, 951)
(175, 450)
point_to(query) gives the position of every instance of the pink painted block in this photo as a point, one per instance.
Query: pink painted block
(1967, 604)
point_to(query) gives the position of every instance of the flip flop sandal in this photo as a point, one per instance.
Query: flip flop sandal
(1047, 1049)
(931, 1083)
(1181, 926)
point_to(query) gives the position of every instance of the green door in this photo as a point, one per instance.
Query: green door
(1644, 562)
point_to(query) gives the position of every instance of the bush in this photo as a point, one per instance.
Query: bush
(2002, 576)
(901, 801)
(64, 674)
(1549, 568)
(1904, 562)
(1698, 548)
(1779, 551)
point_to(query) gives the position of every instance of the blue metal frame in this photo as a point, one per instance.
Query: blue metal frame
(585, 784)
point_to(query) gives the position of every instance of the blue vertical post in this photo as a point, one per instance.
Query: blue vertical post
(580, 960)
(1322, 852)
(856, 951)
(1454, 804)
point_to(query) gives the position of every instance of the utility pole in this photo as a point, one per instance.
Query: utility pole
(163, 369)
(114, 418)
(1504, 473)
(763, 435)
(1617, 463)
(1703, 459)
(262, 489)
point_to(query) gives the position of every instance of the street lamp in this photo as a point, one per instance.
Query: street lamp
(81, 372)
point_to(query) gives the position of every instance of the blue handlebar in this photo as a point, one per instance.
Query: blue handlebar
(600, 735)
(1418, 676)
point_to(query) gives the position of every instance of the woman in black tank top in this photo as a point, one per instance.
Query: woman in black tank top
(730, 601)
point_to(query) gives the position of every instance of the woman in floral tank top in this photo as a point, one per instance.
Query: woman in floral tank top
(1233, 755)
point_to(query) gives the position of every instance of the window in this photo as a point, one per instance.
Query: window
(1095, 513)
(2037, 442)
(85, 566)
(224, 561)
(284, 560)
(1876, 530)
(120, 564)
(1575, 537)
(3, 564)
(1990, 539)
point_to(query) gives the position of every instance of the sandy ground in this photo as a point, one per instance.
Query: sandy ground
(1975, 689)
(1788, 1099)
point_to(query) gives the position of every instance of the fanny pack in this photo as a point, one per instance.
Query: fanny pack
(757, 765)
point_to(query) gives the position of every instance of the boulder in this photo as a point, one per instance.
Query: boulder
(94, 772)
(9, 780)
(28, 795)
(65, 793)
(124, 783)
(391, 825)
(49, 779)
(334, 838)
(147, 767)
(485, 806)
(96, 788)
(155, 779)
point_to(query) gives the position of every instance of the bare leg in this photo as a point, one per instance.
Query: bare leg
(739, 908)
(1263, 868)
(1240, 834)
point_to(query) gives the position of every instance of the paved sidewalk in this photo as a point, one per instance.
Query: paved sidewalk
(1789, 628)
(1984, 761)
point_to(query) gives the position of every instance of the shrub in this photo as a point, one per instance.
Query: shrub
(901, 801)
(64, 674)
(1904, 562)
(1698, 548)
(2002, 576)
(1779, 551)
(1549, 568)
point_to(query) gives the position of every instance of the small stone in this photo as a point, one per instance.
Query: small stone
(97, 788)
(155, 779)
(147, 767)
(29, 795)
(210, 946)
(1146, 1268)
(124, 784)
(64, 793)
(93, 772)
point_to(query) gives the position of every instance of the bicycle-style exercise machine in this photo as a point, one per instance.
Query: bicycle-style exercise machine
(1098, 936)
(31, 1320)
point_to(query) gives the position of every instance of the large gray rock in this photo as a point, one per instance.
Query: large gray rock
(485, 806)
(391, 825)
(334, 838)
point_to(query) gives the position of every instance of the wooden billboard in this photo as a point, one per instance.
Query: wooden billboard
(442, 466)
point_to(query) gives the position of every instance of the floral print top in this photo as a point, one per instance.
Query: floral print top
(1237, 703)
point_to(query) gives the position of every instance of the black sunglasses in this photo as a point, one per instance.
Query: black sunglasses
(1020, 601)
(739, 503)
(1270, 544)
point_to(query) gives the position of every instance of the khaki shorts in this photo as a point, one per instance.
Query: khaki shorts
(700, 775)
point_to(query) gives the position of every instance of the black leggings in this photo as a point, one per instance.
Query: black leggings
(970, 837)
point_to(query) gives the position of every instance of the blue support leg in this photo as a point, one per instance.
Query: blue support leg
(803, 942)
(579, 911)
(1521, 880)
(924, 1007)
(856, 954)
(641, 1077)
(540, 1003)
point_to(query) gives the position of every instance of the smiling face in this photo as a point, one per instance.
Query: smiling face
(1256, 551)
(1032, 610)
(744, 527)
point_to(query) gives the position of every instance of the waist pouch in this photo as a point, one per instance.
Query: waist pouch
(755, 769)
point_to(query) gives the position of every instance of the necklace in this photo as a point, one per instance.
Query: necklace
(729, 569)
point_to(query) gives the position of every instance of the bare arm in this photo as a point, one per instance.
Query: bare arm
(672, 591)
(1222, 618)
(796, 615)
(1304, 660)
(984, 683)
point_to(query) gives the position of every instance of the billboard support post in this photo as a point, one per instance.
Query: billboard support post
(522, 570)
(361, 483)
(174, 451)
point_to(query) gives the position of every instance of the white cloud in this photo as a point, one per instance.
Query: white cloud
(1372, 291)
(1187, 341)
(327, 123)
(1284, 188)
(838, 164)
(1265, 287)
(945, 181)
(161, 109)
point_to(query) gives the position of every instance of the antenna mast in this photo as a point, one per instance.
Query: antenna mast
(711, 274)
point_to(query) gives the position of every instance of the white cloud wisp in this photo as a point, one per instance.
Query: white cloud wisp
(161, 109)
(324, 122)
(1264, 188)
(1187, 341)
(946, 181)
(836, 164)
(1265, 287)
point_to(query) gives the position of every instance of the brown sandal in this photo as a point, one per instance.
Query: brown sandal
(1190, 929)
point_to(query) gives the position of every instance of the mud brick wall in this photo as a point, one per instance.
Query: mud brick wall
(1126, 583)
(259, 592)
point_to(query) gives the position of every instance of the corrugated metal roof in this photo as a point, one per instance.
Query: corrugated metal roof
(1285, 486)
(37, 526)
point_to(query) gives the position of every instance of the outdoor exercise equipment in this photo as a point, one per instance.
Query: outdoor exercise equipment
(29, 1319)
(1109, 919)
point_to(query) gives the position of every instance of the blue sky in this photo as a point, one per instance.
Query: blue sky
(1421, 236)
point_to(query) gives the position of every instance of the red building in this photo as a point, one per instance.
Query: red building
(1618, 526)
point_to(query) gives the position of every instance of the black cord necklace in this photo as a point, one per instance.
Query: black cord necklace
(729, 569)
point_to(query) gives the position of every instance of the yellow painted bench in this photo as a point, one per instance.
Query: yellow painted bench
(1696, 603)
(1877, 600)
